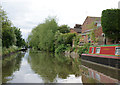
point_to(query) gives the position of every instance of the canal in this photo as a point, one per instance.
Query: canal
(42, 67)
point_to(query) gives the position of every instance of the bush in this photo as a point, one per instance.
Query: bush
(76, 40)
(62, 48)
(63, 42)
(9, 50)
(83, 49)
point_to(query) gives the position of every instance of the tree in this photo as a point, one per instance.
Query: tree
(63, 41)
(10, 35)
(43, 36)
(19, 41)
(7, 34)
(111, 23)
(64, 29)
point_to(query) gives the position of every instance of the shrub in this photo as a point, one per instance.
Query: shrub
(83, 49)
(9, 50)
(63, 42)
(62, 48)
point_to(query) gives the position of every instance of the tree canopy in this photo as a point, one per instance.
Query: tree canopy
(10, 34)
(111, 23)
(42, 36)
(64, 29)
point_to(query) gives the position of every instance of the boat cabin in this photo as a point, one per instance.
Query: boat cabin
(105, 50)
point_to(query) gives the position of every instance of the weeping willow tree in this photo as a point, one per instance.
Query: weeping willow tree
(42, 37)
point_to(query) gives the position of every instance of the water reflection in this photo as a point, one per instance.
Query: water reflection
(25, 73)
(52, 68)
(40, 67)
(43, 67)
(94, 73)
(10, 65)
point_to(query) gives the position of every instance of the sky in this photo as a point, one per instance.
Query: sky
(26, 14)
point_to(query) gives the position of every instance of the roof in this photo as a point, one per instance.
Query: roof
(92, 18)
(90, 22)
(77, 28)
(106, 45)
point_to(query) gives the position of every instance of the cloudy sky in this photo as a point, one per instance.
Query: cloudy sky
(26, 14)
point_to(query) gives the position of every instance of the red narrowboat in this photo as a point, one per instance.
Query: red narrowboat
(104, 54)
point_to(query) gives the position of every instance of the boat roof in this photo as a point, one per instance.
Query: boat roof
(106, 45)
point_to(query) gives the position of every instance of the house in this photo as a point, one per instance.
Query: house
(92, 31)
(77, 29)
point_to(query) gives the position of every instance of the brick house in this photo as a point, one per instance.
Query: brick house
(92, 25)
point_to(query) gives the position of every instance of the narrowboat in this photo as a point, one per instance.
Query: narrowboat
(105, 54)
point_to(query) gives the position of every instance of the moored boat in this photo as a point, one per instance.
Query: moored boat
(104, 54)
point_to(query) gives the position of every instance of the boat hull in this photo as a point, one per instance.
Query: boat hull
(102, 60)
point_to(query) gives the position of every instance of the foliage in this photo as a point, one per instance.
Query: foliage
(7, 31)
(64, 29)
(62, 48)
(92, 36)
(8, 37)
(92, 24)
(43, 36)
(63, 41)
(49, 66)
(83, 49)
(77, 40)
(111, 23)
(92, 33)
(0, 42)
(10, 34)
(9, 50)
(19, 40)
(10, 64)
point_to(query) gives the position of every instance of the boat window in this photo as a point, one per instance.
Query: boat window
(117, 51)
(97, 50)
(92, 50)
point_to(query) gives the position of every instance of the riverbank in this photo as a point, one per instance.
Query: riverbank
(72, 54)
(76, 51)
(10, 51)
(0, 71)
(9, 54)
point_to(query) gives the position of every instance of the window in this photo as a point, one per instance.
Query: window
(97, 76)
(97, 50)
(88, 37)
(92, 50)
(117, 51)
(89, 41)
(98, 25)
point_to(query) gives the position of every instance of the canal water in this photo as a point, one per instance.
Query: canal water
(42, 67)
